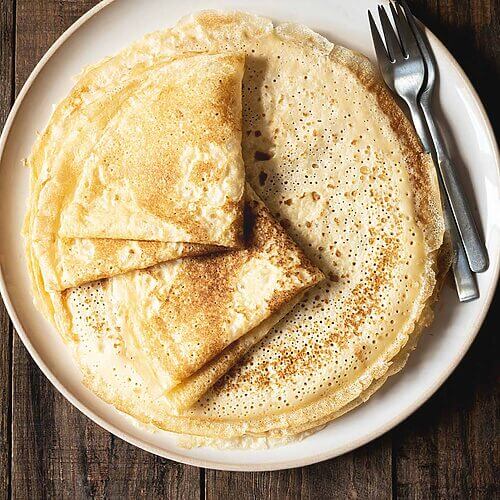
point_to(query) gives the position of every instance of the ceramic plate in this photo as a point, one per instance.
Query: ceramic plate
(111, 26)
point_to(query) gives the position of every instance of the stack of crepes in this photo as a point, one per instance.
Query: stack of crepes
(142, 163)
(139, 214)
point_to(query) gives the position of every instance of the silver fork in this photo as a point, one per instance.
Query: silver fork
(464, 280)
(404, 71)
(441, 157)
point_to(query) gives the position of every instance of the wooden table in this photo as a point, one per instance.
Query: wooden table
(446, 449)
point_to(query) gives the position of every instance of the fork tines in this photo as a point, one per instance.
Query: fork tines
(401, 43)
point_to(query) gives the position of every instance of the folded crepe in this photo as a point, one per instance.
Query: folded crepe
(168, 165)
(187, 393)
(185, 151)
(173, 321)
(328, 149)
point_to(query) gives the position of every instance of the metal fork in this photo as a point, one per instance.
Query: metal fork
(464, 280)
(404, 71)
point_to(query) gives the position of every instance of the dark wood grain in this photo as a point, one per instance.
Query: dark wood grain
(57, 452)
(364, 473)
(7, 26)
(447, 449)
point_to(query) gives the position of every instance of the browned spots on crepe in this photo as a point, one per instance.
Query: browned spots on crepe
(178, 130)
(201, 296)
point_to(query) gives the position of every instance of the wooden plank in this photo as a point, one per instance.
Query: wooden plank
(56, 451)
(364, 473)
(470, 32)
(447, 449)
(5, 398)
(6, 96)
(38, 25)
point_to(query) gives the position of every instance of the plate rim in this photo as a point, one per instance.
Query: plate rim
(212, 464)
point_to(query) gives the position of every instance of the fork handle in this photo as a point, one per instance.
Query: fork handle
(474, 246)
(464, 278)
(419, 122)
(465, 281)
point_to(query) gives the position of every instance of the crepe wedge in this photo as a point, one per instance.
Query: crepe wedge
(68, 262)
(75, 136)
(170, 320)
(168, 165)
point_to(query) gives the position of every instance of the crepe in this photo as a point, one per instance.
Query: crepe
(185, 394)
(168, 165)
(69, 262)
(171, 319)
(334, 158)
(74, 137)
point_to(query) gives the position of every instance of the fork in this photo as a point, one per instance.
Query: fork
(464, 280)
(404, 71)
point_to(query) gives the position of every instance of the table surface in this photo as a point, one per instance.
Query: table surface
(447, 449)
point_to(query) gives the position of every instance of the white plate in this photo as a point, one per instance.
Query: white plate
(113, 25)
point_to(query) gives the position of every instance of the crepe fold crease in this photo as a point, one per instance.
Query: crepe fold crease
(337, 163)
